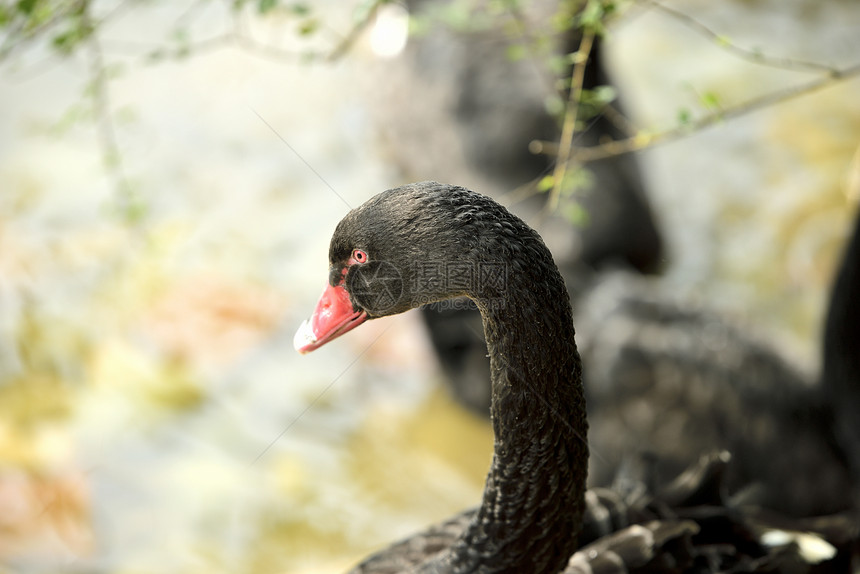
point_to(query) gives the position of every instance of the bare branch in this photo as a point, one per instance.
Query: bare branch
(346, 44)
(743, 53)
(525, 31)
(113, 12)
(643, 140)
(252, 46)
(619, 120)
(569, 127)
(102, 109)
(193, 11)
(242, 39)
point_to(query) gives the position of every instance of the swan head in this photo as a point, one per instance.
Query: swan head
(405, 247)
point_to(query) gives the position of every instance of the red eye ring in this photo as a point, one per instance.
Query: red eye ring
(358, 256)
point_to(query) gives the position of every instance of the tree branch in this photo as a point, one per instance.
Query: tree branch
(527, 34)
(242, 39)
(569, 126)
(619, 120)
(102, 109)
(643, 140)
(742, 53)
(346, 44)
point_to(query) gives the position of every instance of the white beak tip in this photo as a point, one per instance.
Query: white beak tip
(304, 337)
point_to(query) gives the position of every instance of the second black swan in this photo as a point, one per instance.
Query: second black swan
(456, 107)
(669, 380)
(426, 242)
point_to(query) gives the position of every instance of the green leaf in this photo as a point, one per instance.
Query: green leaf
(593, 102)
(129, 204)
(180, 35)
(300, 9)
(420, 25)
(156, 55)
(66, 42)
(577, 57)
(309, 57)
(558, 64)
(546, 183)
(576, 179)
(563, 84)
(710, 100)
(461, 16)
(554, 105)
(562, 21)
(684, 116)
(71, 117)
(592, 16)
(265, 6)
(516, 52)
(599, 96)
(26, 6)
(504, 6)
(183, 43)
(575, 213)
(308, 27)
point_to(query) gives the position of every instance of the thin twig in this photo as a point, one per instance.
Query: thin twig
(618, 119)
(102, 108)
(355, 32)
(112, 13)
(191, 12)
(569, 126)
(35, 70)
(253, 47)
(246, 42)
(530, 188)
(643, 141)
(12, 40)
(531, 42)
(743, 53)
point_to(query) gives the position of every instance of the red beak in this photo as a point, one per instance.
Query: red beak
(332, 317)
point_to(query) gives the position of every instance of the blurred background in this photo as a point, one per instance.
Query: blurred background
(167, 192)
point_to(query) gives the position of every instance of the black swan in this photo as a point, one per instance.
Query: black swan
(428, 241)
(659, 371)
(840, 377)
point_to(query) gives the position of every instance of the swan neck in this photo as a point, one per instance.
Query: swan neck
(533, 500)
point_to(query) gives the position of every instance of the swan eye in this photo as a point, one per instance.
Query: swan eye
(359, 256)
